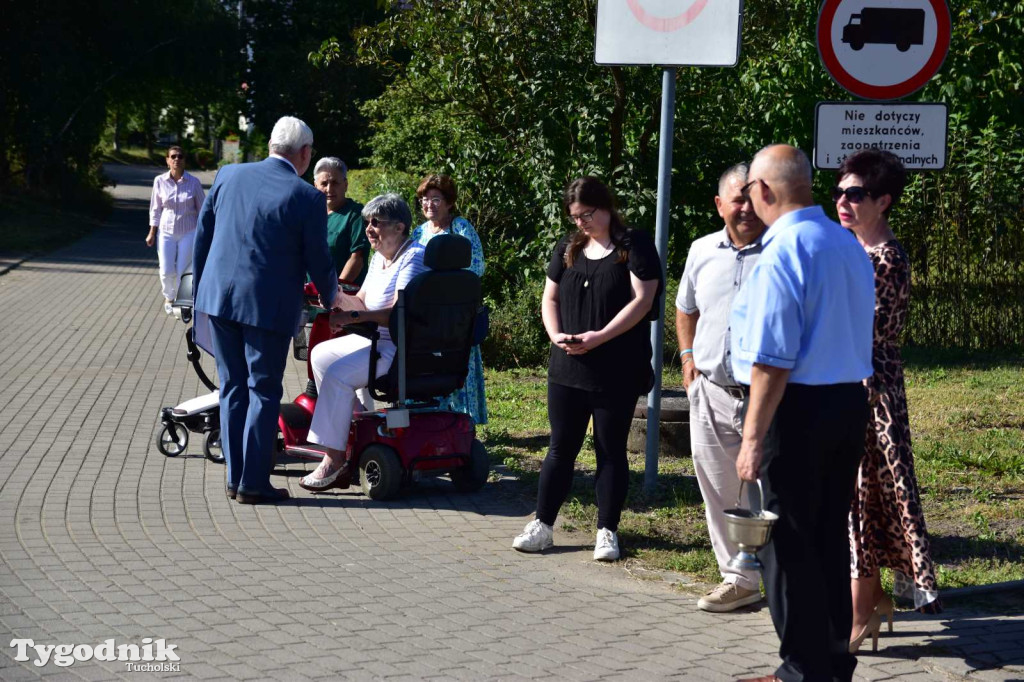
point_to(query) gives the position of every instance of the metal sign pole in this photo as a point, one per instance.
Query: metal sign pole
(668, 112)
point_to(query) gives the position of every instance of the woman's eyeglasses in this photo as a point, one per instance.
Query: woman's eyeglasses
(435, 202)
(176, 156)
(853, 194)
(583, 217)
(377, 222)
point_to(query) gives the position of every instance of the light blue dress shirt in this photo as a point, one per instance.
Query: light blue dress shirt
(808, 305)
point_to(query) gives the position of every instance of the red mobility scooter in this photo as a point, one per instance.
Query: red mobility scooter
(434, 324)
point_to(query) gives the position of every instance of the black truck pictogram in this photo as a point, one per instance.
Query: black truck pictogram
(885, 26)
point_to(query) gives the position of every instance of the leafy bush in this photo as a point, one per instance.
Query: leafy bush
(203, 157)
(365, 184)
(517, 337)
(670, 347)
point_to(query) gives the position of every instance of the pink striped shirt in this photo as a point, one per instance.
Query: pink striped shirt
(174, 206)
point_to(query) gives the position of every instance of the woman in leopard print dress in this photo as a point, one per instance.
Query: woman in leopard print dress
(887, 527)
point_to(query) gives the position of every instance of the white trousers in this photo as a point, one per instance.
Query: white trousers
(715, 437)
(175, 254)
(340, 367)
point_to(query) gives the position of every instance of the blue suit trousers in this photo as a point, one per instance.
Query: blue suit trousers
(250, 366)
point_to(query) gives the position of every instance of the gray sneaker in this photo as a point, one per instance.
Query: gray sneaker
(728, 597)
(535, 537)
(607, 546)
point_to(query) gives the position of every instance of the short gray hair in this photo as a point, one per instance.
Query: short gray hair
(331, 163)
(739, 171)
(389, 207)
(289, 136)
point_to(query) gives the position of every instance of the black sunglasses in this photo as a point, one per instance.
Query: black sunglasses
(176, 156)
(377, 222)
(854, 194)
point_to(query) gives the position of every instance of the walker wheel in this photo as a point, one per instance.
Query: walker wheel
(172, 439)
(380, 472)
(212, 448)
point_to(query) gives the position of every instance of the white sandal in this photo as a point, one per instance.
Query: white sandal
(311, 482)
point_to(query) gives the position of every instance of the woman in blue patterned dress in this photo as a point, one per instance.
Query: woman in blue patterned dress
(436, 195)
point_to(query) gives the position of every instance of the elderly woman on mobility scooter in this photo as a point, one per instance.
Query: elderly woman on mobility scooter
(339, 365)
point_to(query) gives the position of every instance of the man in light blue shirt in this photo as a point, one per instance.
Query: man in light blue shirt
(801, 340)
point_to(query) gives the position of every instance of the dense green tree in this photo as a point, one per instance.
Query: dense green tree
(62, 63)
(282, 80)
(506, 97)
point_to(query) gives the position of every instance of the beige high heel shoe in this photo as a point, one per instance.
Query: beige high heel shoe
(873, 627)
(885, 610)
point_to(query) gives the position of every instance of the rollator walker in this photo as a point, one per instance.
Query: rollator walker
(197, 415)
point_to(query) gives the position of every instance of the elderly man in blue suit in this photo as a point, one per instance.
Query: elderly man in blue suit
(261, 229)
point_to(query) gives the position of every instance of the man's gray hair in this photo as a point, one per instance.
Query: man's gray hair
(739, 171)
(331, 163)
(389, 207)
(289, 136)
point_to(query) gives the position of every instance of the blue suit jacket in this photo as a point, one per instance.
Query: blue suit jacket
(261, 229)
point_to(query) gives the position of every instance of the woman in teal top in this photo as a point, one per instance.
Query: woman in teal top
(436, 195)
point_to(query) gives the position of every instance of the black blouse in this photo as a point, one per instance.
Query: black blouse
(622, 364)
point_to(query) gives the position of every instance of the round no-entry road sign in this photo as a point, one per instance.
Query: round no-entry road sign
(883, 49)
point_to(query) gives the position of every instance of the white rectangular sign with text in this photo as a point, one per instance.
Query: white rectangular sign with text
(668, 32)
(914, 132)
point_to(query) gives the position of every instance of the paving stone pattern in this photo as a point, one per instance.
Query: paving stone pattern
(103, 537)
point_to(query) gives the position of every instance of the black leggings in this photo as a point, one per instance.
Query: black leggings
(569, 411)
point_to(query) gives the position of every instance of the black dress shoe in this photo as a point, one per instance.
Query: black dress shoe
(269, 496)
(230, 492)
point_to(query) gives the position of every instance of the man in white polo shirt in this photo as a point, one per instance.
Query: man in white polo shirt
(715, 268)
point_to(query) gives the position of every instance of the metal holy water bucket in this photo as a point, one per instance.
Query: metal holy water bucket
(750, 530)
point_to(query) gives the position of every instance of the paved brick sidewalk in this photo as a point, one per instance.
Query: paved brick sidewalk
(104, 538)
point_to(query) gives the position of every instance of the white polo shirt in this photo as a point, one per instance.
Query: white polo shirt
(715, 270)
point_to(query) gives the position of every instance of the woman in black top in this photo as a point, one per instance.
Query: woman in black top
(601, 285)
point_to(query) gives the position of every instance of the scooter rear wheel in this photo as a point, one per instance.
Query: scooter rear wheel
(172, 439)
(380, 472)
(212, 448)
(473, 475)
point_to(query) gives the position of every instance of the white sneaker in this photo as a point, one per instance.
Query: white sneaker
(607, 546)
(535, 537)
(168, 308)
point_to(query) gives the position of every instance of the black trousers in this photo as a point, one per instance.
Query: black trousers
(812, 452)
(569, 411)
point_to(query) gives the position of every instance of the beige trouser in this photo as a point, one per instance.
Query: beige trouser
(715, 426)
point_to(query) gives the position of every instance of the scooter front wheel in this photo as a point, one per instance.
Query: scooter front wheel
(380, 472)
(172, 439)
(212, 448)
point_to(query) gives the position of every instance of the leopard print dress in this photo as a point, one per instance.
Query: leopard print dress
(887, 526)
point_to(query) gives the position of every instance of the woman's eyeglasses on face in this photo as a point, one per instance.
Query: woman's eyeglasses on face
(583, 217)
(377, 222)
(176, 156)
(435, 202)
(854, 194)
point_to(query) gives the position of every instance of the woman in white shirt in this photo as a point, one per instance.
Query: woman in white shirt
(341, 365)
(173, 212)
